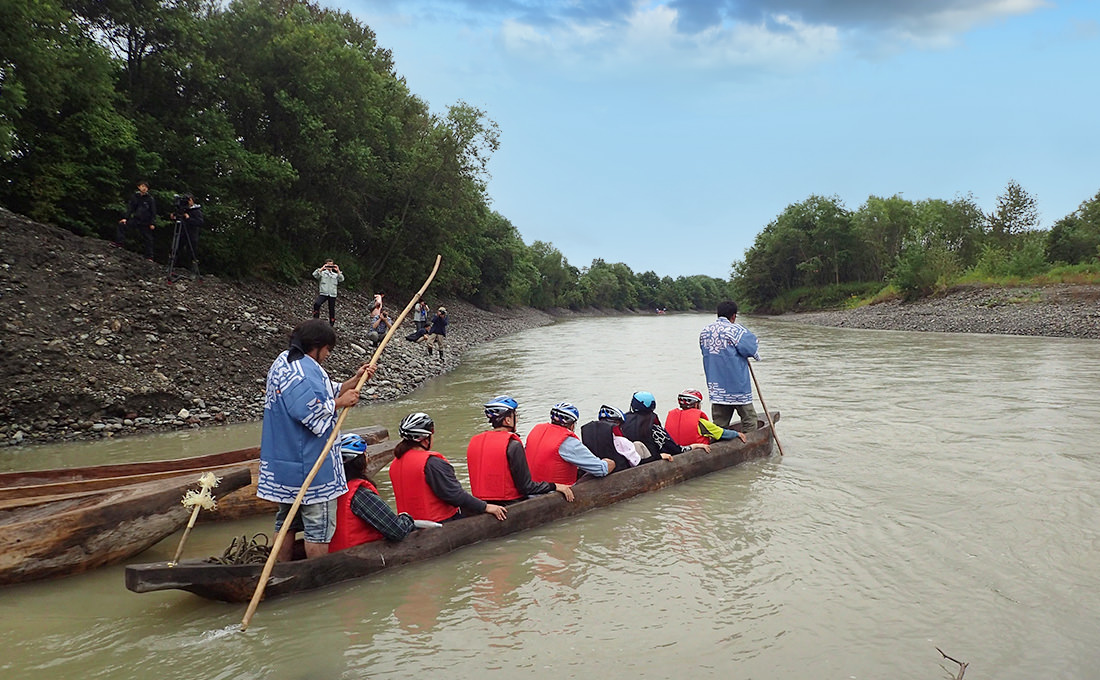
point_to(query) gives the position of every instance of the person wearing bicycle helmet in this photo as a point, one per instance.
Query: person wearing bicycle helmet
(424, 482)
(361, 514)
(300, 408)
(557, 455)
(604, 437)
(689, 425)
(497, 462)
(643, 425)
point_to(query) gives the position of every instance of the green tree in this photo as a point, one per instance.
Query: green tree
(1016, 213)
(1075, 238)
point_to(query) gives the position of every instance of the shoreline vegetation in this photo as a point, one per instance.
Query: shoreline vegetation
(97, 344)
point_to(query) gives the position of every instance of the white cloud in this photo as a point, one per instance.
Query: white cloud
(649, 41)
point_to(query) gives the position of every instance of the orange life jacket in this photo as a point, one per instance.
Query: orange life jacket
(410, 487)
(542, 454)
(350, 529)
(487, 460)
(683, 425)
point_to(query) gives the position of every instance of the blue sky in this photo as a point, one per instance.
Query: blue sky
(667, 133)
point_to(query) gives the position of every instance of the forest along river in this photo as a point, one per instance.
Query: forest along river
(937, 490)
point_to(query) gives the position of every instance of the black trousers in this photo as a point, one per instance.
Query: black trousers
(331, 307)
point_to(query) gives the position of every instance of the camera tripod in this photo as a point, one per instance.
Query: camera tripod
(179, 230)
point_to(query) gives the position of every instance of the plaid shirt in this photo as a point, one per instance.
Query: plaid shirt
(374, 511)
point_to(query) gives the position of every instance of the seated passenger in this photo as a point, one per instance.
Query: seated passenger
(361, 515)
(497, 462)
(689, 425)
(555, 454)
(643, 425)
(604, 437)
(424, 483)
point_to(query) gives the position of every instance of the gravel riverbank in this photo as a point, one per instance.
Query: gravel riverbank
(1071, 311)
(96, 343)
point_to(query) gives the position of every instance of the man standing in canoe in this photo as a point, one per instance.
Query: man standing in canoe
(557, 455)
(497, 462)
(726, 347)
(300, 408)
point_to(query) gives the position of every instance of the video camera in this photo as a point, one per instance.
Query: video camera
(181, 203)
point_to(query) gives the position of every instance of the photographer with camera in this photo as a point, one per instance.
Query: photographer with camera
(141, 213)
(380, 324)
(329, 275)
(188, 216)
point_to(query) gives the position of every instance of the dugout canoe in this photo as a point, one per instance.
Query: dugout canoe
(242, 503)
(48, 536)
(237, 583)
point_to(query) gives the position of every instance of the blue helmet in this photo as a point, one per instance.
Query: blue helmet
(352, 445)
(563, 413)
(642, 401)
(498, 407)
(610, 413)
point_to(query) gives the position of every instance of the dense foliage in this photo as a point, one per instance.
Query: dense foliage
(291, 126)
(818, 253)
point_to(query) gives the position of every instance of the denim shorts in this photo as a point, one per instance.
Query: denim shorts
(317, 520)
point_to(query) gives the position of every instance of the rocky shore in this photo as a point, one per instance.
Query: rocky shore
(1071, 311)
(96, 342)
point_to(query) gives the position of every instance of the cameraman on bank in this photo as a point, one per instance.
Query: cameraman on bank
(190, 216)
(329, 275)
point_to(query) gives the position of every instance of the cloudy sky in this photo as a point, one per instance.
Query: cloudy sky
(667, 133)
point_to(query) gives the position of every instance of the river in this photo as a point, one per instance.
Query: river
(938, 490)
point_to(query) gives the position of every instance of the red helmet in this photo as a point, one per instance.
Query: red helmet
(690, 398)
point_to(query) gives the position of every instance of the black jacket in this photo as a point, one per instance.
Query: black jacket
(141, 211)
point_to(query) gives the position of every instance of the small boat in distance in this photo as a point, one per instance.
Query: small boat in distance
(237, 583)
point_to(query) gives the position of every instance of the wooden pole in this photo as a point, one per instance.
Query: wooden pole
(200, 500)
(258, 595)
(769, 415)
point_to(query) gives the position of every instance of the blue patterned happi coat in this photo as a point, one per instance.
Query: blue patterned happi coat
(299, 414)
(726, 347)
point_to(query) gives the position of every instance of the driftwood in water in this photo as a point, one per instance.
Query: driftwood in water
(236, 583)
(63, 534)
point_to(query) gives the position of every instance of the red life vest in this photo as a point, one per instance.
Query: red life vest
(350, 529)
(487, 460)
(543, 458)
(410, 487)
(683, 425)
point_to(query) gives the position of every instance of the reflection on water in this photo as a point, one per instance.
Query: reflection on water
(938, 490)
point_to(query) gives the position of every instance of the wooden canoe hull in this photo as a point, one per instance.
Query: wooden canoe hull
(242, 503)
(65, 534)
(237, 583)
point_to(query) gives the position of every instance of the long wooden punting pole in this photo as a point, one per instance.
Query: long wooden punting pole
(761, 395)
(258, 595)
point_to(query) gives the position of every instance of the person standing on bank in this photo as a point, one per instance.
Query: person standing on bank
(437, 333)
(141, 214)
(497, 462)
(329, 275)
(192, 219)
(420, 316)
(300, 412)
(726, 347)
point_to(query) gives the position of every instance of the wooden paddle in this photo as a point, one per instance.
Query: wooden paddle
(258, 595)
(761, 395)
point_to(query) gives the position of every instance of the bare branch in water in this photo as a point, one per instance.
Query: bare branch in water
(962, 665)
